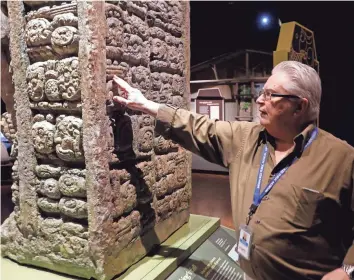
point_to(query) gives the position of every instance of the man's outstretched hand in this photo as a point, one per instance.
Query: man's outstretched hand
(133, 99)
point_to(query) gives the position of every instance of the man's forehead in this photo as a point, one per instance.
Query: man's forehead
(277, 81)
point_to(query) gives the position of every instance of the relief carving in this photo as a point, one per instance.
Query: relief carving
(181, 170)
(115, 38)
(8, 127)
(73, 207)
(156, 32)
(173, 203)
(48, 205)
(66, 19)
(137, 7)
(52, 39)
(74, 229)
(59, 80)
(68, 138)
(158, 49)
(141, 78)
(50, 12)
(163, 146)
(137, 26)
(137, 51)
(35, 81)
(50, 226)
(65, 40)
(177, 101)
(50, 188)
(125, 198)
(145, 139)
(37, 32)
(178, 85)
(43, 135)
(72, 185)
(15, 193)
(48, 171)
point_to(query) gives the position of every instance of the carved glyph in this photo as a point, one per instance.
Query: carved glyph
(73, 207)
(54, 80)
(43, 136)
(38, 32)
(72, 185)
(68, 138)
(50, 188)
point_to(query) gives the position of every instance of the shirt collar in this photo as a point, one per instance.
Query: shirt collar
(300, 139)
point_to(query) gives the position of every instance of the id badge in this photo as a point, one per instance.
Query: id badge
(245, 242)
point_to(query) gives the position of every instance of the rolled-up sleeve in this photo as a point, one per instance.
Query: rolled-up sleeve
(216, 141)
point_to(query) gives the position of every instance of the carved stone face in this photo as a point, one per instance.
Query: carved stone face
(177, 101)
(69, 80)
(173, 55)
(43, 137)
(138, 27)
(175, 16)
(35, 81)
(73, 207)
(166, 78)
(135, 48)
(114, 32)
(68, 139)
(140, 77)
(145, 121)
(72, 185)
(158, 49)
(166, 92)
(65, 40)
(52, 90)
(157, 32)
(50, 188)
(156, 82)
(48, 205)
(37, 32)
(181, 170)
(146, 139)
(178, 85)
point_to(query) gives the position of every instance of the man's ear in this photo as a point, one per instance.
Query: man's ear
(302, 106)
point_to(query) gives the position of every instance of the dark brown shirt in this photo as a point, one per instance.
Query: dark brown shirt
(303, 228)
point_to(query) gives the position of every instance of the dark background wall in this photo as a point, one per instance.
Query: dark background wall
(219, 27)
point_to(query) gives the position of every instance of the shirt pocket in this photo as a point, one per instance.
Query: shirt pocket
(305, 212)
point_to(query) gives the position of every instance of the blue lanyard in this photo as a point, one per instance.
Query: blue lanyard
(257, 197)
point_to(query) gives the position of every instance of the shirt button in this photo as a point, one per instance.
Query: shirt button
(266, 197)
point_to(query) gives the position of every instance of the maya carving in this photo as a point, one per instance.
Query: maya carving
(52, 34)
(54, 80)
(68, 138)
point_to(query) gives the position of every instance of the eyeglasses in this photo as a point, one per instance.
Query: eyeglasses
(268, 95)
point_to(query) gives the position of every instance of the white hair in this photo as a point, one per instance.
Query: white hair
(304, 82)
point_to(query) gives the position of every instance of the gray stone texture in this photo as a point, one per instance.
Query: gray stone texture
(94, 187)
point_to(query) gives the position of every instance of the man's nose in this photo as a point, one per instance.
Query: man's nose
(260, 99)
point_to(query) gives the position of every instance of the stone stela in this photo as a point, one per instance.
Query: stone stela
(94, 188)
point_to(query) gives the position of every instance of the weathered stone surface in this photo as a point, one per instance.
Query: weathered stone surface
(94, 187)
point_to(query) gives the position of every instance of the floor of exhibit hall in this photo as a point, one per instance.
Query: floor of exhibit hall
(210, 197)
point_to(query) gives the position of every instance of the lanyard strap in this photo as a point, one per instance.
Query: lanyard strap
(257, 197)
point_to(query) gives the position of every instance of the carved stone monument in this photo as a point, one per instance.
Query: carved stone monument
(95, 188)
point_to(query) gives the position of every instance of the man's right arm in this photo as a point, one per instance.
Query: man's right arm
(216, 141)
